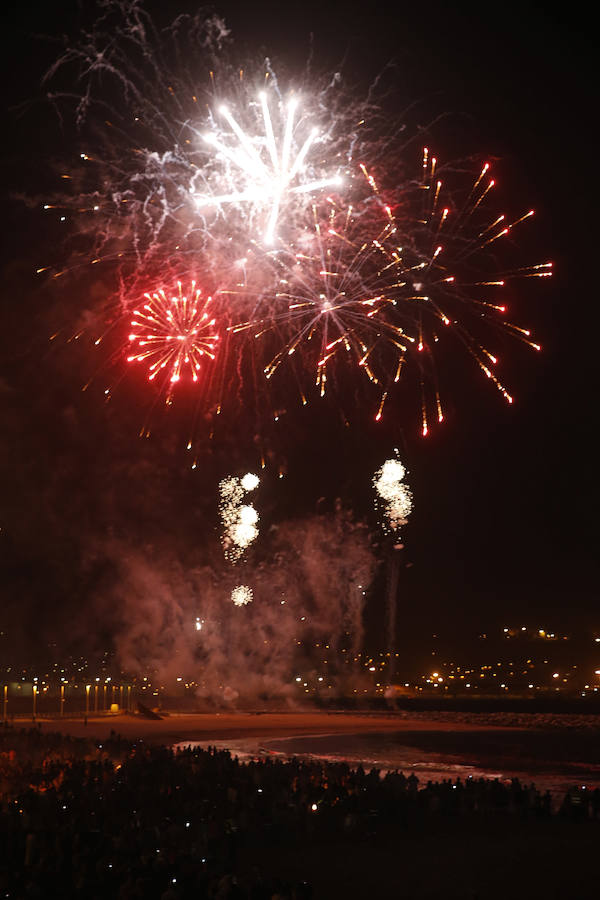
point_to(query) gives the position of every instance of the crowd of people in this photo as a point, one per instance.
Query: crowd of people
(116, 819)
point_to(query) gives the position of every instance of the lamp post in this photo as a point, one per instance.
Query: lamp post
(87, 699)
(34, 697)
(5, 704)
(392, 607)
(62, 700)
(95, 698)
(104, 697)
(128, 698)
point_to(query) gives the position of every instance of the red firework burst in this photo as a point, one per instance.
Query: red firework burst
(172, 332)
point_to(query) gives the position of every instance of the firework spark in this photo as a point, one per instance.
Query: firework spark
(172, 334)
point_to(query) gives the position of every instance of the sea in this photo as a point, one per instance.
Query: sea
(532, 757)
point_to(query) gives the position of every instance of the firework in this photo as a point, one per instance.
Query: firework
(369, 278)
(239, 519)
(378, 285)
(393, 500)
(393, 497)
(263, 171)
(329, 299)
(439, 265)
(242, 595)
(172, 333)
(207, 156)
(250, 481)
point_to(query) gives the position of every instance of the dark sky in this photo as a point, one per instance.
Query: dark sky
(506, 499)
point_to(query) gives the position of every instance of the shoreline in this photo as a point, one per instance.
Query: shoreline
(556, 749)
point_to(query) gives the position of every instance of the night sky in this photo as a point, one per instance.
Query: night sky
(505, 498)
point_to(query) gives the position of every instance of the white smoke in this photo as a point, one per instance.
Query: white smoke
(310, 589)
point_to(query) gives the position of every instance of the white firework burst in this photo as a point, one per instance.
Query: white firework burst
(265, 170)
(395, 495)
(239, 519)
(242, 595)
(250, 481)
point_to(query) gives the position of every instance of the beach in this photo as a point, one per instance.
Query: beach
(555, 751)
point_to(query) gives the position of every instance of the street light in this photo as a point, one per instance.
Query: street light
(62, 699)
(34, 695)
(87, 699)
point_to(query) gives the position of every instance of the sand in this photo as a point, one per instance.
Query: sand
(224, 726)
